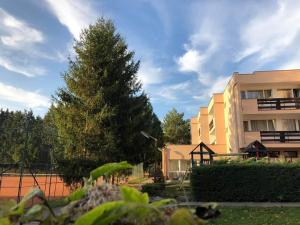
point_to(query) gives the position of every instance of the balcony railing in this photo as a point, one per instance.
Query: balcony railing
(278, 103)
(280, 136)
(211, 125)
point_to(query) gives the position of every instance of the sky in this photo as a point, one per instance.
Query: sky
(188, 49)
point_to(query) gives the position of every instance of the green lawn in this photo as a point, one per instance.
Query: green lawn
(258, 216)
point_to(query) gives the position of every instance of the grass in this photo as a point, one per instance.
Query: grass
(258, 216)
(138, 180)
(174, 190)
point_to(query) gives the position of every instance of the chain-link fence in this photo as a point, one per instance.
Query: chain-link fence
(16, 179)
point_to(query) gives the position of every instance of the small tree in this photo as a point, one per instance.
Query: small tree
(176, 129)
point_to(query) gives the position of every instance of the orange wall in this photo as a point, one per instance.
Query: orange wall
(195, 138)
(219, 119)
(204, 136)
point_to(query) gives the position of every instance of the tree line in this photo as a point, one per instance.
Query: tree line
(23, 135)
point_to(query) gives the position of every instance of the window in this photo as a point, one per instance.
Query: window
(243, 95)
(184, 165)
(267, 93)
(274, 154)
(284, 93)
(271, 125)
(246, 126)
(296, 93)
(173, 165)
(286, 125)
(290, 154)
(256, 94)
(262, 125)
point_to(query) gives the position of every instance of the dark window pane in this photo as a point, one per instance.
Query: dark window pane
(246, 126)
(268, 93)
(243, 94)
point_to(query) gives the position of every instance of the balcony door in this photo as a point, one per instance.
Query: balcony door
(286, 125)
(284, 93)
(262, 125)
(296, 93)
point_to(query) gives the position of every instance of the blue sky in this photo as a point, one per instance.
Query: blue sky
(188, 49)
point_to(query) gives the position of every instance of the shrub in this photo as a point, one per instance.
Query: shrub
(72, 171)
(157, 174)
(255, 182)
(154, 188)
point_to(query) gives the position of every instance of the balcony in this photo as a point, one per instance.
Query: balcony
(280, 136)
(271, 139)
(278, 104)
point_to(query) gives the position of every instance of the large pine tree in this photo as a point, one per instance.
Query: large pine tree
(102, 110)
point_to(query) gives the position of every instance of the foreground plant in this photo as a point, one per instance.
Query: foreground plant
(105, 204)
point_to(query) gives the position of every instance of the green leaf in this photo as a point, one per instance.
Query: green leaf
(77, 194)
(138, 213)
(20, 208)
(5, 221)
(132, 195)
(184, 217)
(36, 212)
(55, 203)
(109, 168)
(6, 206)
(163, 202)
(102, 215)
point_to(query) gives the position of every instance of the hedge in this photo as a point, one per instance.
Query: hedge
(153, 188)
(243, 182)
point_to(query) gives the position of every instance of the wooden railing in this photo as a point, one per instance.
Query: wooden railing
(278, 103)
(280, 136)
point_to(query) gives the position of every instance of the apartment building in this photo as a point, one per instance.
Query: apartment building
(262, 106)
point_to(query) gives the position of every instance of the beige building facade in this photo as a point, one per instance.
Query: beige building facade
(262, 106)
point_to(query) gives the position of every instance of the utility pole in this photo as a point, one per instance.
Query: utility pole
(22, 162)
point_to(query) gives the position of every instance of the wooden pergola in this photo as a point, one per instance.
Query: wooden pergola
(202, 150)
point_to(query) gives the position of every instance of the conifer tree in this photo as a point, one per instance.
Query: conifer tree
(176, 129)
(102, 110)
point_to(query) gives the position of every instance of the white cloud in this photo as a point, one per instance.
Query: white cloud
(199, 50)
(171, 92)
(28, 99)
(217, 86)
(18, 43)
(190, 61)
(16, 33)
(21, 67)
(150, 74)
(74, 14)
(271, 33)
